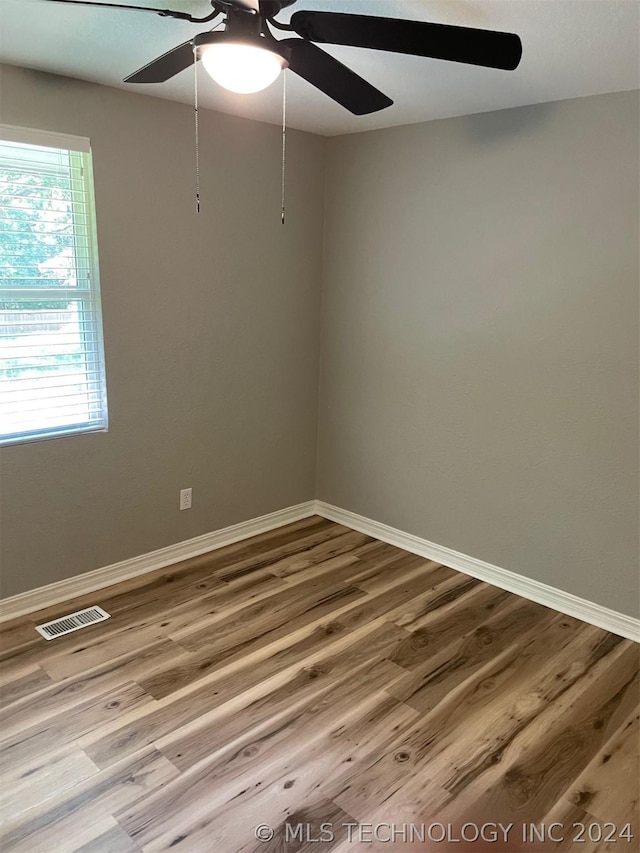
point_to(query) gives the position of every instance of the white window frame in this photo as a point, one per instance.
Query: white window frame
(88, 297)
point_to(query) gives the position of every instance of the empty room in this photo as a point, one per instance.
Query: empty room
(319, 426)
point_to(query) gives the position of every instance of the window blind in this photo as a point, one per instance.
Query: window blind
(52, 378)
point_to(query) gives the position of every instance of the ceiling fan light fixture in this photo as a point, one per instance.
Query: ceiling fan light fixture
(242, 68)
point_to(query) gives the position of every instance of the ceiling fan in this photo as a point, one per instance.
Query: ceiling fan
(247, 57)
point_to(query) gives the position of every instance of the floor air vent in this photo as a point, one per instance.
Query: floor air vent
(72, 622)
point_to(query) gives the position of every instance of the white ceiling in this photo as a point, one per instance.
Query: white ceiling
(571, 48)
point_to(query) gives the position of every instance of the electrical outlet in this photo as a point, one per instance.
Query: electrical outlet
(185, 499)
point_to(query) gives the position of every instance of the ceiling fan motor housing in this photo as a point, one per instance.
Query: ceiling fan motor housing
(243, 35)
(268, 8)
(242, 26)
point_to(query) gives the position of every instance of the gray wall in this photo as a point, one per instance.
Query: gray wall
(479, 379)
(211, 334)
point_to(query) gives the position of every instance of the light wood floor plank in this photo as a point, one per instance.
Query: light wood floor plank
(54, 732)
(615, 767)
(22, 683)
(309, 684)
(62, 821)
(32, 782)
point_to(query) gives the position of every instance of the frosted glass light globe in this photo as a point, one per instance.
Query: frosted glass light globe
(242, 68)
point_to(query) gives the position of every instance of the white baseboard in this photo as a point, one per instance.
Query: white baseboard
(557, 599)
(54, 593)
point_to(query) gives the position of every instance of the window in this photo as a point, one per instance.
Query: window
(52, 379)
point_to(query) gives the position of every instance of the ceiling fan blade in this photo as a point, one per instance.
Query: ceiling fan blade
(418, 38)
(164, 67)
(333, 78)
(167, 13)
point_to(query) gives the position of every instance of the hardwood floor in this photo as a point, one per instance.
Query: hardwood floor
(329, 686)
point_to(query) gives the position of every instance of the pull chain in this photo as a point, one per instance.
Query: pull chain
(284, 138)
(195, 116)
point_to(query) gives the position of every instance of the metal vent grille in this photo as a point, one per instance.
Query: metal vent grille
(72, 622)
